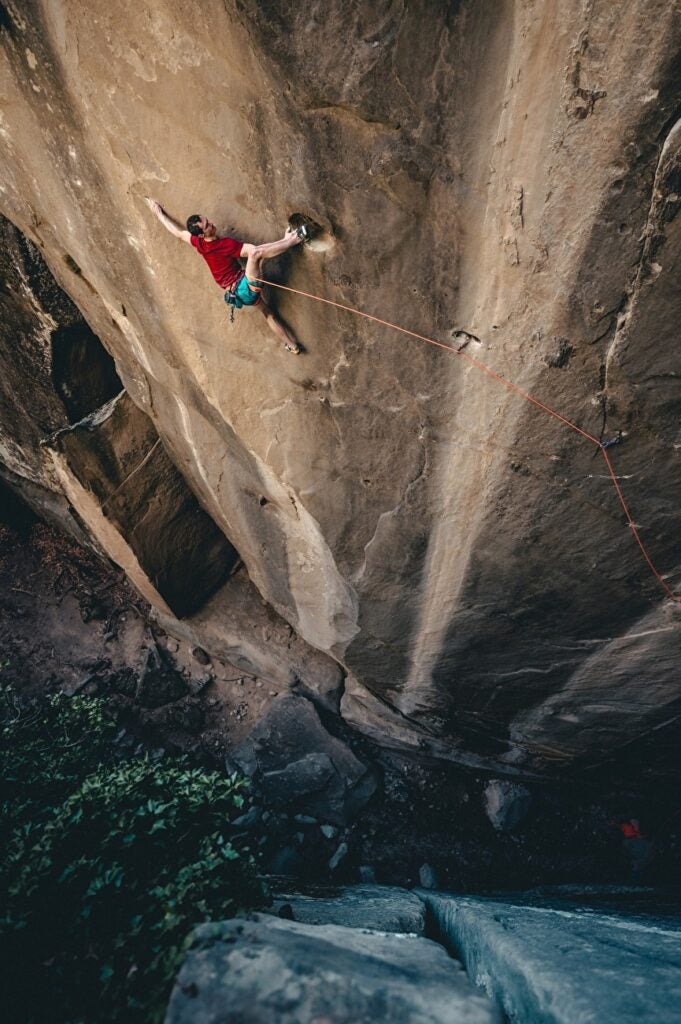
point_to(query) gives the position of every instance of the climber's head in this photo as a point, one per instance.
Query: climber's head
(201, 227)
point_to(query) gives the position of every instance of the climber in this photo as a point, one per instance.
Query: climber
(222, 253)
(638, 850)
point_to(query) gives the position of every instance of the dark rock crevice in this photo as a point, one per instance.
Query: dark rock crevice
(139, 507)
(652, 238)
(83, 373)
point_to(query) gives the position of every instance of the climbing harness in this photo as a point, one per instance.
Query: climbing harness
(234, 300)
(602, 446)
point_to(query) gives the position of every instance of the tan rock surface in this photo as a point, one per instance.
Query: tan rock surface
(507, 169)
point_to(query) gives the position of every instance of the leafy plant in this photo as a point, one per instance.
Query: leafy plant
(47, 748)
(108, 865)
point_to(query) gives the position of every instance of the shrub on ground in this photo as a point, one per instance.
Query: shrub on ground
(107, 865)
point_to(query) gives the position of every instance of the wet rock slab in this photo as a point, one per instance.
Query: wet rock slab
(566, 964)
(267, 971)
(380, 907)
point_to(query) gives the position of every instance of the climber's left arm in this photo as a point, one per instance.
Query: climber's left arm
(168, 223)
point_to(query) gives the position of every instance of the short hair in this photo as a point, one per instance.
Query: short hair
(194, 225)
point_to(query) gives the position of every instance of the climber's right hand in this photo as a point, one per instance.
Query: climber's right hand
(153, 205)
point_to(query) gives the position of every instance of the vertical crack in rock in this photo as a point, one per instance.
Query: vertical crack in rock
(653, 237)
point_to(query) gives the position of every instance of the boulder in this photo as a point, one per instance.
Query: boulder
(307, 775)
(159, 682)
(339, 855)
(506, 803)
(299, 766)
(271, 971)
(427, 877)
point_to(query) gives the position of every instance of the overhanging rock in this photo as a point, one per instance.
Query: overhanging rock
(461, 554)
(115, 471)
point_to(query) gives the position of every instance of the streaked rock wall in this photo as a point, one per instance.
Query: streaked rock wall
(509, 169)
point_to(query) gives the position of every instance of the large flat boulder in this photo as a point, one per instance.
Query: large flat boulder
(566, 963)
(267, 971)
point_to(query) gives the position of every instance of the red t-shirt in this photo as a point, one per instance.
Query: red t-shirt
(221, 256)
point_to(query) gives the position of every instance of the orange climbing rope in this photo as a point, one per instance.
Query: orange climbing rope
(663, 583)
(511, 387)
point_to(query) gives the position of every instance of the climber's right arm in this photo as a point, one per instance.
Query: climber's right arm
(168, 223)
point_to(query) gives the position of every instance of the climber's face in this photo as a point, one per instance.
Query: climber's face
(208, 228)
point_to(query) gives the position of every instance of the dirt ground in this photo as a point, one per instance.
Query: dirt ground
(70, 621)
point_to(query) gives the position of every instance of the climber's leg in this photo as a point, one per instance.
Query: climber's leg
(253, 277)
(278, 328)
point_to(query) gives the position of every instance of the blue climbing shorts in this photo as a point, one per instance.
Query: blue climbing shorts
(248, 296)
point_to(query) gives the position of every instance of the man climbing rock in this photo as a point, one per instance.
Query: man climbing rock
(221, 253)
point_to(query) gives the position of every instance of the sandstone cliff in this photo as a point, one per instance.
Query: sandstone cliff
(510, 169)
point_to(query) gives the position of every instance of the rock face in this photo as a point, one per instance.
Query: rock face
(84, 456)
(266, 971)
(507, 170)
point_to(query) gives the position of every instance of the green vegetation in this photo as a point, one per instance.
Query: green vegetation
(106, 865)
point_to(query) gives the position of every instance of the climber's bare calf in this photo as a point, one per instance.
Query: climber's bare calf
(222, 254)
(256, 256)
